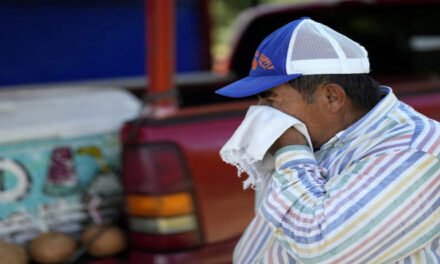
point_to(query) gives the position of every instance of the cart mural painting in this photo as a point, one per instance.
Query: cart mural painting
(73, 182)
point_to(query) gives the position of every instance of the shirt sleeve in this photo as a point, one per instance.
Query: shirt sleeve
(379, 209)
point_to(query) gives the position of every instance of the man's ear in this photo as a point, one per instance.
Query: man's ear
(335, 97)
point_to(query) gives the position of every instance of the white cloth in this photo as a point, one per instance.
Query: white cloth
(248, 147)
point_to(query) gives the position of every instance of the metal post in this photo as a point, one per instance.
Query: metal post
(161, 56)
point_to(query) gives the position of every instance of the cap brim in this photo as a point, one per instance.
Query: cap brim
(253, 85)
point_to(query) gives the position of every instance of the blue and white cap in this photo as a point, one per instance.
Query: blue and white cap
(302, 47)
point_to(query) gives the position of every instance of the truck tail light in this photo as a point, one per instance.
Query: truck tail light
(159, 198)
(160, 205)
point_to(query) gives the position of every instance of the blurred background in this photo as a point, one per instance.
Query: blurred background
(50, 41)
(109, 123)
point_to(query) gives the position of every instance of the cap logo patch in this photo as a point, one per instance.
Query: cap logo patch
(263, 61)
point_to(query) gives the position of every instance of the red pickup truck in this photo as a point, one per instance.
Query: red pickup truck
(183, 204)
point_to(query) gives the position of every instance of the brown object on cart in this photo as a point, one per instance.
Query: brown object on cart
(103, 240)
(52, 247)
(12, 253)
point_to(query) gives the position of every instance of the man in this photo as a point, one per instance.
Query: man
(369, 192)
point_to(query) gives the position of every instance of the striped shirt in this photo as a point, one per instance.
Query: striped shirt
(371, 194)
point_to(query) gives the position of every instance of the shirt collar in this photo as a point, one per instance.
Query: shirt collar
(369, 121)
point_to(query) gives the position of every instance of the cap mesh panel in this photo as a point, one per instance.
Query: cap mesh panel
(350, 49)
(311, 44)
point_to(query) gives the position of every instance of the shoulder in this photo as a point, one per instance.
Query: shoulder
(403, 129)
(424, 131)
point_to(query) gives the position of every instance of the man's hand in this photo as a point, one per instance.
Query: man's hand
(290, 137)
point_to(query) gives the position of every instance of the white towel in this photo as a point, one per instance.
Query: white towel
(248, 147)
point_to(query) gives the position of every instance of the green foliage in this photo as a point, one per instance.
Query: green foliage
(224, 12)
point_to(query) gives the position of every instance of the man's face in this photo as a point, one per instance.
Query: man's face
(290, 101)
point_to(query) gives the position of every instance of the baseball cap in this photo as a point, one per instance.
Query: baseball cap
(302, 47)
